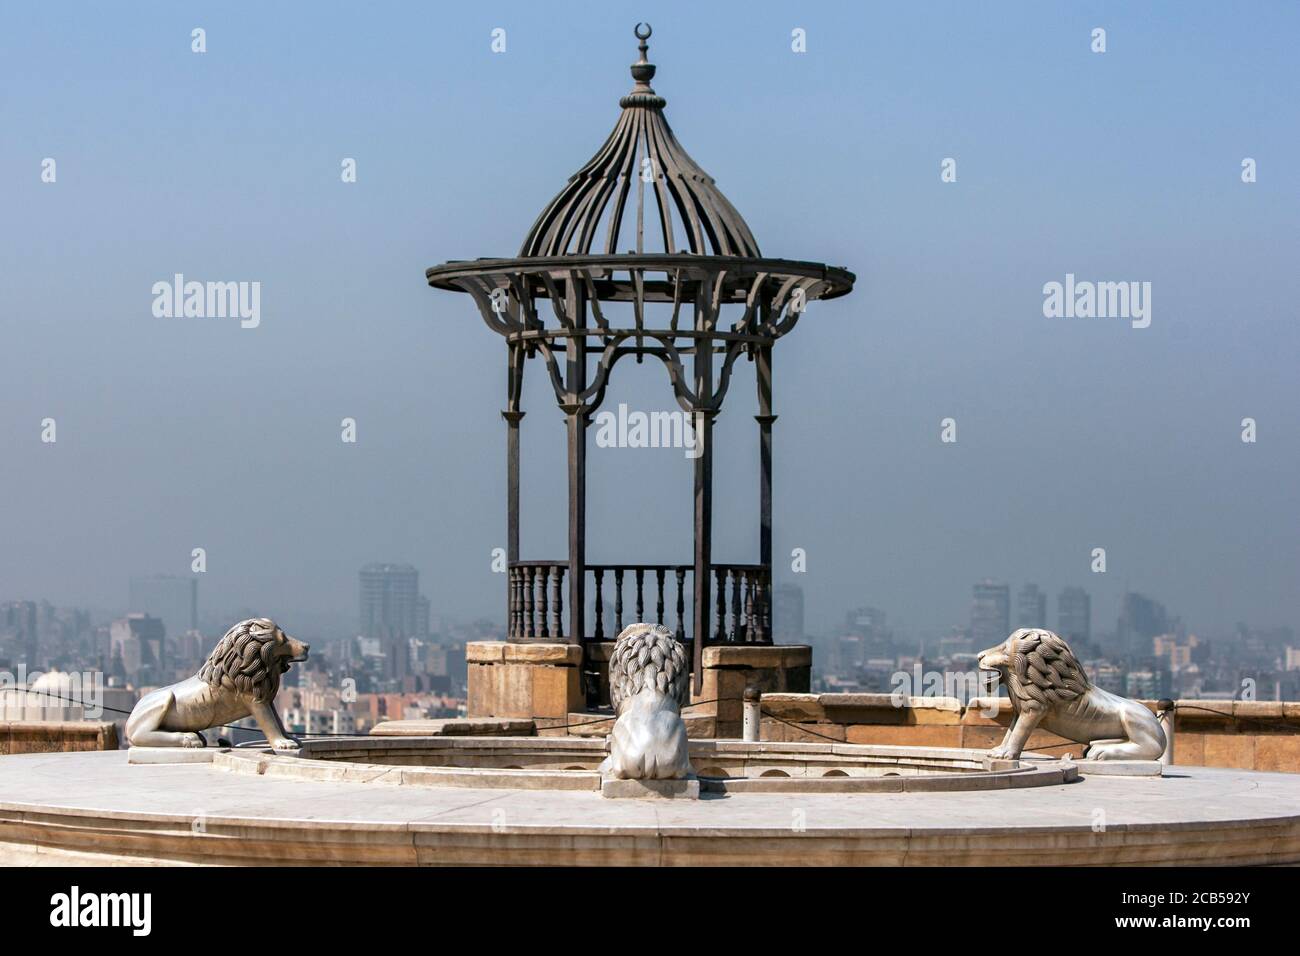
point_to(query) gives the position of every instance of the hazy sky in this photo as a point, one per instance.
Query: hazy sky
(1072, 433)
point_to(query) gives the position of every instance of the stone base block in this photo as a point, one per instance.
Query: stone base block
(162, 755)
(687, 788)
(999, 765)
(1120, 768)
(730, 668)
(523, 680)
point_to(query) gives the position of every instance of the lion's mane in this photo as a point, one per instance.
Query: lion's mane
(647, 656)
(1043, 669)
(245, 661)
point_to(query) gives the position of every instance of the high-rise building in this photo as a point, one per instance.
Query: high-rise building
(18, 624)
(390, 601)
(1140, 621)
(866, 635)
(1074, 615)
(422, 616)
(990, 614)
(137, 640)
(787, 614)
(1031, 607)
(173, 600)
(393, 612)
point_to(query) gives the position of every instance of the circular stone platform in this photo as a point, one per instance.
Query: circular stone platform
(572, 763)
(95, 808)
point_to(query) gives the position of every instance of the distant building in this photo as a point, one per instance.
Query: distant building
(990, 614)
(332, 721)
(393, 612)
(1031, 607)
(390, 601)
(18, 625)
(847, 655)
(1074, 615)
(173, 600)
(422, 610)
(866, 635)
(1145, 685)
(787, 614)
(1141, 620)
(138, 641)
(1105, 675)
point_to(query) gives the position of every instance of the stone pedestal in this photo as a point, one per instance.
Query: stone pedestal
(684, 789)
(523, 680)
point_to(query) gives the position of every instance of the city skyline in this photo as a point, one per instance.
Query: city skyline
(404, 610)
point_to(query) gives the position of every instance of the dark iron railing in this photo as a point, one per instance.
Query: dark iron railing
(741, 595)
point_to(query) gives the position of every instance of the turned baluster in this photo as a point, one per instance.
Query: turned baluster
(640, 594)
(512, 630)
(544, 573)
(600, 607)
(530, 624)
(737, 623)
(721, 631)
(618, 599)
(749, 605)
(681, 604)
(557, 605)
(659, 603)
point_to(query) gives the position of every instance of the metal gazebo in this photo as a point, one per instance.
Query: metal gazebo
(695, 288)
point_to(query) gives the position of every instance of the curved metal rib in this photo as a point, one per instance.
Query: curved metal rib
(601, 190)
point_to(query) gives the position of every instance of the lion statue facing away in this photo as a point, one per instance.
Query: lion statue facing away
(1049, 689)
(648, 676)
(239, 679)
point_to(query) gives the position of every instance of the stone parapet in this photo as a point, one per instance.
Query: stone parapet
(1250, 735)
(56, 736)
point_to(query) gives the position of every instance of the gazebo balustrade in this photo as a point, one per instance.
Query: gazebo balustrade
(656, 593)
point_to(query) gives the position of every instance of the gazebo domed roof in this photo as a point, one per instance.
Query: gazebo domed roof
(689, 213)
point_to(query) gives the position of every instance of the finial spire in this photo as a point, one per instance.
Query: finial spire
(643, 71)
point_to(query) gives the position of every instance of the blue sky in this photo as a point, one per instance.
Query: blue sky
(1072, 434)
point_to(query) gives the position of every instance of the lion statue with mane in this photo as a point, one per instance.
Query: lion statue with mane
(648, 677)
(239, 679)
(1049, 689)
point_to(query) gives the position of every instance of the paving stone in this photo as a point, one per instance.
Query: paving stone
(687, 789)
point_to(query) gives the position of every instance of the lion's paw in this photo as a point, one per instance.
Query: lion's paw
(193, 740)
(1001, 753)
(285, 744)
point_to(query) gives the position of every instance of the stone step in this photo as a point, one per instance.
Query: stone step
(456, 727)
(601, 723)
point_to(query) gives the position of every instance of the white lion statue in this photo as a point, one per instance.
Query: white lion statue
(648, 677)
